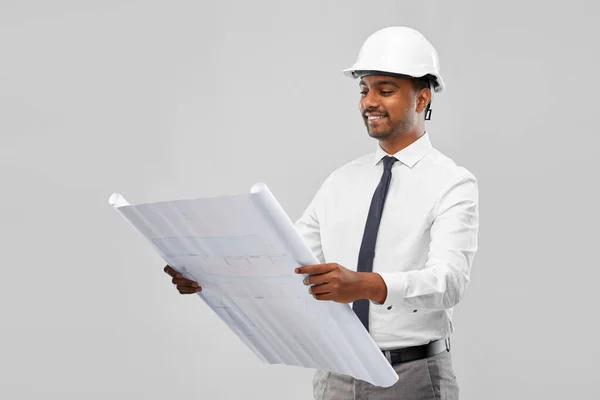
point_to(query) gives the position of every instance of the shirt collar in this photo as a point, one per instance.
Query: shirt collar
(410, 155)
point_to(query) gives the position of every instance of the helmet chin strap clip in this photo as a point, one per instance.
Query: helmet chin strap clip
(431, 89)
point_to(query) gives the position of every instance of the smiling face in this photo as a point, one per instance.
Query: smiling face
(390, 107)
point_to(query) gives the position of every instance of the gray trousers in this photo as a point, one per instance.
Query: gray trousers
(427, 379)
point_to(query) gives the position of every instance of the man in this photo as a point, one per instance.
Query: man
(403, 267)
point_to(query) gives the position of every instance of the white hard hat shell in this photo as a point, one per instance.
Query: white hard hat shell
(398, 50)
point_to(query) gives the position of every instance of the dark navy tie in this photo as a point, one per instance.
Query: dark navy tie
(367, 247)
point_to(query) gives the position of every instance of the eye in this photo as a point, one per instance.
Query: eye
(386, 93)
(363, 93)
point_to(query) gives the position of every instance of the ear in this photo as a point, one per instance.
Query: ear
(423, 98)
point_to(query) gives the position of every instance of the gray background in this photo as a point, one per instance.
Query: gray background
(168, 100)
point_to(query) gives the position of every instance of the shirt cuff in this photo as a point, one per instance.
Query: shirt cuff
(396, 286)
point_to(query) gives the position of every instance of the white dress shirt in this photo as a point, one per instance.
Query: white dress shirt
(426, 241)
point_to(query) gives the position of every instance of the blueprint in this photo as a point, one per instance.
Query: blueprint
(242, 250)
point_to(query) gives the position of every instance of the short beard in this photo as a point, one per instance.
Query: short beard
(405, 125)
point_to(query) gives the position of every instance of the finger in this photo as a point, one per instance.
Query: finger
(188, 290)
(324, 296)
(317, 279)
(185, 282)
(316, 269)
(320, 289)
(171, 272)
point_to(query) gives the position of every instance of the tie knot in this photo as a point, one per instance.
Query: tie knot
(388, 161)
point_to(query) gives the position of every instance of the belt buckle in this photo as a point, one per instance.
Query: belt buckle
(388, 356)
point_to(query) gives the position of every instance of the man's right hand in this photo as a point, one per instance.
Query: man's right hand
(185, 286)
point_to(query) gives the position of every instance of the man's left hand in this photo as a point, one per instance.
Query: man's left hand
(334, 282)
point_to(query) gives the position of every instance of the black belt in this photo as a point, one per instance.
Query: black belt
(417, 352)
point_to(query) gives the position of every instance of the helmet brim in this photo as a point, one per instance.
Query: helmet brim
(438, 83)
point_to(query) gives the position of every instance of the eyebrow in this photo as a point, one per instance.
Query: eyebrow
(379, 83)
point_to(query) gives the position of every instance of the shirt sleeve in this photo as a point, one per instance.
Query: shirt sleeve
(442, 282)
(309, 224)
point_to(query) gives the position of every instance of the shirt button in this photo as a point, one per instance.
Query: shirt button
(389, 308)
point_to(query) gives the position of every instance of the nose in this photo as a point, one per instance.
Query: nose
(369, 101)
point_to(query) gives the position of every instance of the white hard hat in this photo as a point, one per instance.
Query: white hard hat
(398, 50)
